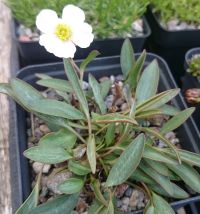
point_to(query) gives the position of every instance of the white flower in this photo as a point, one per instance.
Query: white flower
(60, 36)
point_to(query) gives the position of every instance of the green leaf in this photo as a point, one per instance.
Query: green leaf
(98, 195)
(91, 153)
(71, 185)
(163, 139)
(161, 206)
(135, 71)
(93, 54)
(110, 134)
(148, 114)
(169, 110)
(177, 120)
(59, 122)
(43, 76)
(32, 200)
(113, 118)
(158, 100)
(105, 87)
(95, 208)
(127, 162)
(163, 181)
(96, 88)
(74, 80)
(148, 83)
(127, 58)
(140, 176)
(178, 192)
(149, 209)
(186, 156)
(56, 108)
(157, 155)
(157, 166)
(77, 168)
(60, 204)
(110, 209)
(47, 154)
(63, 138)
(57, 84)
(189, 175)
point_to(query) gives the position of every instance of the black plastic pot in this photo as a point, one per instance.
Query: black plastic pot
(32, 53)
(187, 133)
(189, 81)
(171, 45)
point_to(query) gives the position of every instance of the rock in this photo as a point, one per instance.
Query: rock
(85, 85)
(171, 25)
(119, 78)
(102, 79)
(54, 181)
(124, 106)
(81, 206)
(128, 192)
(137, 25)
(38, 134)
(125, 201)
(120, 190)
(112, 79)
(109, 100)
(37, 167)
(79, 152)
(24, 38)
(124, 208)
(44, 128)
(119, 203)
(133, 199)
(170, 135)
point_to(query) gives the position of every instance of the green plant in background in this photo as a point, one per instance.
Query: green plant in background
(109, 18)
(194, 66)
(25, 11)
(182, 10)
(116, 145)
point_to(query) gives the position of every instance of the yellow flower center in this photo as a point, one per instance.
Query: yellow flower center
(63, 32)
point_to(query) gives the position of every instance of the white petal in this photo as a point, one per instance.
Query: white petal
(56, 46)
(46, 20)
(82, 35)
(73, 14)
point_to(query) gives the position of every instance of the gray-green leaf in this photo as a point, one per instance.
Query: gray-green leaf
(74, 80)
(78, 168)
(91, 153)
(127, 162)
(161, 206)
(63, 138)
(177, 120)
(188, 174)
(148, 83)
(56, 108)
(47, 154)
(32, 201)
(57, 84)
(60, 204)
(96, 88)
(127, 58)
(71, 185)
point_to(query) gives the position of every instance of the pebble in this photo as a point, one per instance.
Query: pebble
(54, 181)
(44, 128)
(175, 25)
(119, 203)
(37, 167)
(125, 201)
(109, 100)
(112, 79)
(137, 25)
(124, 106)
(128, 192)
(85, 85)
(79, 152)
